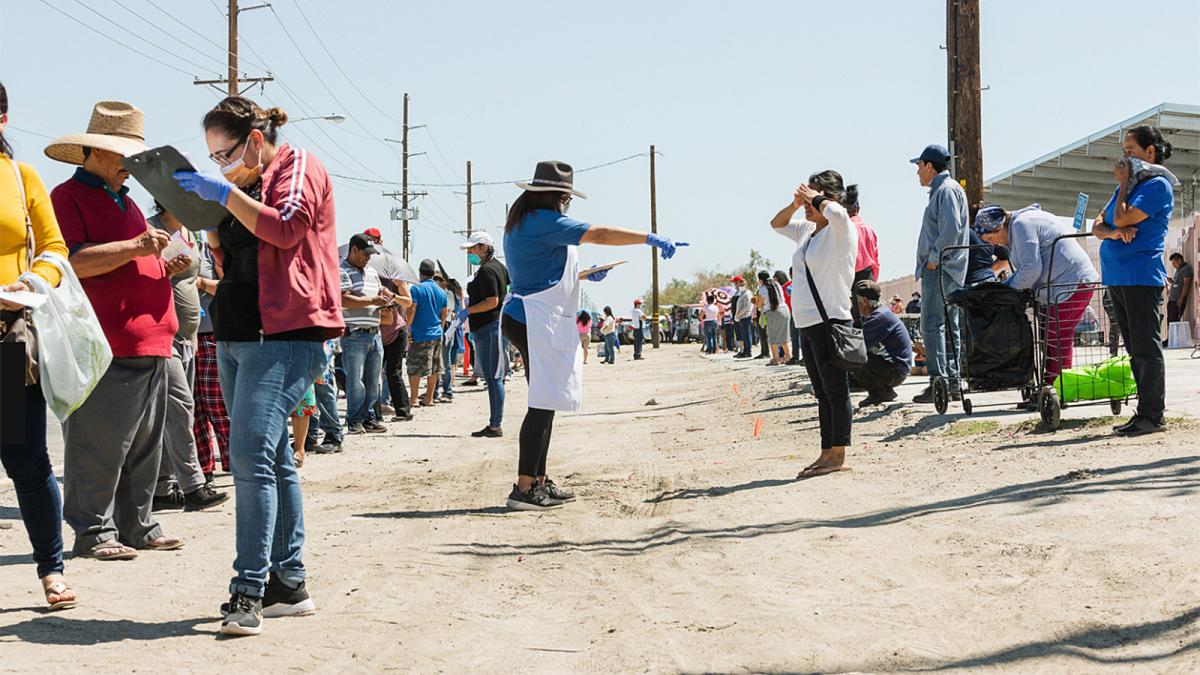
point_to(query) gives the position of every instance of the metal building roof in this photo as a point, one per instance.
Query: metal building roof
(1055, 179)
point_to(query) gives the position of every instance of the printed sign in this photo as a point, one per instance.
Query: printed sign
(1080, 211)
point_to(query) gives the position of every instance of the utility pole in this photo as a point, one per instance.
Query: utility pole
(655, 338)
(963, 94)
(231, 81)
(468, 211)
(404, 176)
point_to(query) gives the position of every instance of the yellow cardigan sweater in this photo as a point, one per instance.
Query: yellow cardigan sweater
(46, 235)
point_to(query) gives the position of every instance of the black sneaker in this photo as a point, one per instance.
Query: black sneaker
(406, 417)
(557, 492)
(203, 497)
(793, 361)
(1128, 426)
(926, 396)
(1140, 426)
(279, 599)
(878, 399)
(373, 427)
(535, 499)
(172, 501)
(327, 448)
(243, 615)
(488, 432)
(355, 430)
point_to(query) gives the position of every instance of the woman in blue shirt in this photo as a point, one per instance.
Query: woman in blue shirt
(540, 244)
(1134, 227)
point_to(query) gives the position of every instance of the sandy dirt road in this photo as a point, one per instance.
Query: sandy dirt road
(952, 543)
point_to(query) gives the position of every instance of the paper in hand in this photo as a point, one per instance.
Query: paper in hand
(24, 298)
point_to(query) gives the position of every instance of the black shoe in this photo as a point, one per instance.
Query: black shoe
(488, 432)
(473, 382)
(793, 361)
(638, 358)
(537, 498)
(172, 501)
(557, 492)
(327, 448)
(355, 430)
(1140, 426)
(405, 417)
(203, 497)
(878, 398)
(761, 356)
(373, 427)
(926, 396)
(279, 599)
(243, 615)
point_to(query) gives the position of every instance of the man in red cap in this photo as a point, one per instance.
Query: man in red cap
(374, 233)
(639, 320)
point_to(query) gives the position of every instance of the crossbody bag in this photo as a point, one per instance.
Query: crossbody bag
(847, 347)
(17, 326)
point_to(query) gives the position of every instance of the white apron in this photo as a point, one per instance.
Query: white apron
(555, 357)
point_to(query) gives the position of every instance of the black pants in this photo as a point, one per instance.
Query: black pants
(762, 340)
(1174, 313)
(538, 424)
(393, 372)
(878, 376)
(830, 385)
(1136, 310)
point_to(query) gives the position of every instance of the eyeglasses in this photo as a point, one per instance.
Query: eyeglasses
(223, 157)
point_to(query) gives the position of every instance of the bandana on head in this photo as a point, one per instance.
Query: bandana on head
(989, 219)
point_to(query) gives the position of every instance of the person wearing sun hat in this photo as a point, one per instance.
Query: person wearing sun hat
(541, 248)
(113, 443)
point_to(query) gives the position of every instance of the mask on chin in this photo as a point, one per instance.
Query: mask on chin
(238, 173)
(473, 259)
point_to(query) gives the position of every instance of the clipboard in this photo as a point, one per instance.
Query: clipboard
(153, 168)
(602, 268)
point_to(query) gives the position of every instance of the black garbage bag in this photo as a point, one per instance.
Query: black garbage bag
(997, 335)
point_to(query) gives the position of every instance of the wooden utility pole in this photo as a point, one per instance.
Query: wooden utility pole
(404, 177)
(231, 80)
(963, 92)
(655, 338)
(468, 211)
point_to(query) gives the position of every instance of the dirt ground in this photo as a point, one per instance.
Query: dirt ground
(953, 543)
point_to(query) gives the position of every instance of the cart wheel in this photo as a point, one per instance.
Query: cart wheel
(967, 405)
(1115, 405)
(1050, 409)
(941, 395)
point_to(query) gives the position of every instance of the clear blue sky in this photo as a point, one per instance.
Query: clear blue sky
(743, 100)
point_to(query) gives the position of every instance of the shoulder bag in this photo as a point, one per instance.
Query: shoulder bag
(847, 347)
(17, 326)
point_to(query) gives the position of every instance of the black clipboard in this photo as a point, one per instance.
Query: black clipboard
(154, 169)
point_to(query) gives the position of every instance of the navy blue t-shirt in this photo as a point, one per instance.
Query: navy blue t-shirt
(536, 253)
(882, 327)
(979, 261)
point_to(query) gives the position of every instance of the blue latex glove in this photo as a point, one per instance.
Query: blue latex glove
(462, 314)
(666, 246)
(209, 185)
(597, 276)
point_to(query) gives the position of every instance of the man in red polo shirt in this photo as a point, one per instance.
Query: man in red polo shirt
(113, 442)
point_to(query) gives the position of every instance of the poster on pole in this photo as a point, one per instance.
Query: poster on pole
(1080, 211)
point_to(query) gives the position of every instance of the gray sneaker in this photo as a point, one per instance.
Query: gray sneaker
(244, 616)
(537, 498)
(557, 492)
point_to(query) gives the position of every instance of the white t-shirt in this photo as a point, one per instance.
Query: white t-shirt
(637, 317)
(609, 326)
(833, 252)
(710, 312)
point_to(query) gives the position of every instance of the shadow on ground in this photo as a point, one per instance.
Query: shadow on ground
(445, 513)
(60, 629)
(1179, 476)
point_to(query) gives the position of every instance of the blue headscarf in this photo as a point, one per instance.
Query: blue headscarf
(989, 219)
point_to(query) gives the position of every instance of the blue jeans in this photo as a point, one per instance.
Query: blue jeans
(261, 383)
(362, 358)
(40, 502)
(710, 337)
(488, 357)
(743, 335)
(610, 348)
(328, 418)
(939, 326)
(445, 383)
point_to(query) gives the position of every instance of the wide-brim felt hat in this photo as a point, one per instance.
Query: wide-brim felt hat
(115, 126)
(552, 176)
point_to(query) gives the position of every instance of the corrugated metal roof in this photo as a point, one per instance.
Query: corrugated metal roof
(1055, 179)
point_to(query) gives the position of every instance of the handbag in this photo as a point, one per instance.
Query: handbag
(847, 346)
(16, 326)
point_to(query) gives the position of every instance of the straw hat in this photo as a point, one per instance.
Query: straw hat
(115, 126)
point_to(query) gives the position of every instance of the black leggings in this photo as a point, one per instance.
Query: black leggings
(539, 423)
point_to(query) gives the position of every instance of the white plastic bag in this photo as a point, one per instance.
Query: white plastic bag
(73, 353)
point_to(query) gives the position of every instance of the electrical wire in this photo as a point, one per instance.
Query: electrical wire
(115, 40)
(168, 33)
(496, 182)
(204, 68)
(224, 48)
(27, 131)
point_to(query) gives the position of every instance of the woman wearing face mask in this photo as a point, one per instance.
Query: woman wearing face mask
(484, 293)
(279, 300)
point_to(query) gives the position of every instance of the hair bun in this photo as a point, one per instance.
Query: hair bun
(1165, 152)
(851, 195)
(277, 116)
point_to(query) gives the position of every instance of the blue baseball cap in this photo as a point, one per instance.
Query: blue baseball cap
(934, 154)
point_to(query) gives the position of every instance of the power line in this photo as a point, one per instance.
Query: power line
(223, 48)
(146, 40)
(495, 182)
(115, 40)
(167, 33)
(27, 131)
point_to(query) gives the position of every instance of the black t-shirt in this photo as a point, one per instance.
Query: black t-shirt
(491, 280)
(979, 261)
(235, 313)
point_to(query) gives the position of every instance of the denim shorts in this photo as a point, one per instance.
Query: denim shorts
(425, 358)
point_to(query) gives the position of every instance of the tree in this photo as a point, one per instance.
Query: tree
(681, 292)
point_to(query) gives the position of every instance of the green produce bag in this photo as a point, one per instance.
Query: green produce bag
(1111, 379)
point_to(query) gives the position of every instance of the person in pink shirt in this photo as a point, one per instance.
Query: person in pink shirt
(866, 262)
